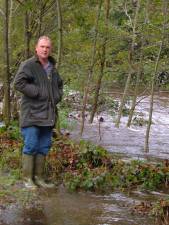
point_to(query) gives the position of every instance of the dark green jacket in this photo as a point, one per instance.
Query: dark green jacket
(40, 93)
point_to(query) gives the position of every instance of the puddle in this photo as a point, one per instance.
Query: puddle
(91, 209)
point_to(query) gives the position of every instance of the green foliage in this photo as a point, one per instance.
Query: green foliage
(63, 117)
(14, 131)
(85, 166)
(89, 167)
(10, 159)
(2, 129)
(88, 180)
(65, 123)
(91, 154)
(115, 175)
(10, 147)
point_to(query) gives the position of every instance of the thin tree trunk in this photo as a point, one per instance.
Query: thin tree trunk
(136, 88)
(6, 108)
(102, 64)
(59, 55)
(60, 33)
(10, 26)
(131, 53)
(146, 145)
(147, 11)
(98, 85)
(139, 70)
(91, 67)
(40, 18)
(13, 107)
(27, 36)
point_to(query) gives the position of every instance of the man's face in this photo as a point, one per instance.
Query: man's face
(43, 48)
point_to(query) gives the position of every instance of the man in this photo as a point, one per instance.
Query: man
(41, 88)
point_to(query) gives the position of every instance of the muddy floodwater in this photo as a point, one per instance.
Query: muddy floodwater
(129, 142)
(60, 207)
(63, 208)
(92, 209)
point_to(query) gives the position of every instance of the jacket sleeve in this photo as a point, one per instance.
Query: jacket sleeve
(60, 85)
(24, 82)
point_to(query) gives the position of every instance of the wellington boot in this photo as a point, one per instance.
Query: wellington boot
(28, 167)
(39, 172)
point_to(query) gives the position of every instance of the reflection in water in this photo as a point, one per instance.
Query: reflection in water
(63, 208)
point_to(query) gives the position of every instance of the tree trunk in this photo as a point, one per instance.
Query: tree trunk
(146, 145)
(10, 28)
(102, 64)
(6, 109)
(133, 105)
(131, 53)
(91, 67)
(60, 33)
(98, 85)
(59, 55)
(27, 36)
(40, 18)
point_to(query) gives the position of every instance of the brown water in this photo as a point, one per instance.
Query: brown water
(63, 208)
(91, 209)
(129, 142)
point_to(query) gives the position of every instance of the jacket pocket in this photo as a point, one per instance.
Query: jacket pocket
(39, 110)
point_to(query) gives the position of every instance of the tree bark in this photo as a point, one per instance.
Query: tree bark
(91, 67)
(131, 54)
(10, 28)
(102, 64)
(40, 18)
(60, 33)
(165, 14)
(133, 105)
(6, 109)
(27, 35)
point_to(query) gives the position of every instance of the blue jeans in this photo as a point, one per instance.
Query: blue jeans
(37, 140)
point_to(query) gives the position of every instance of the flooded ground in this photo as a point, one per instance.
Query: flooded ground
(63, 208)
(130, 141)
(92, 209)
(60, 207)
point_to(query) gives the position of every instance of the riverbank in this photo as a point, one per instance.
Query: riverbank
(79, 167)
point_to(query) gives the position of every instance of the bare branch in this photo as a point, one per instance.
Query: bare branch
(2, 12)
(126, 12)
(19, 2)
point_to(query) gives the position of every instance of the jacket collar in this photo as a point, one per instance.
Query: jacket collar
(50, 58)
